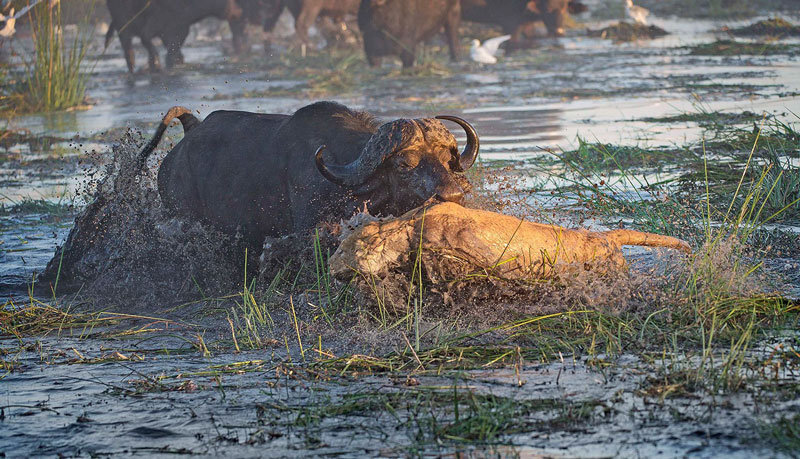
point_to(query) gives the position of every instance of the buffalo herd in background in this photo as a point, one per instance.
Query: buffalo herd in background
(388, 27)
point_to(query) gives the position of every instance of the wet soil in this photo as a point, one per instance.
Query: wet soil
(736, 48)
(628, 31)
(156, 399)
(175, 383)
(774, 27)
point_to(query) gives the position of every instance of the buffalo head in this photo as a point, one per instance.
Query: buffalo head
(405, 163)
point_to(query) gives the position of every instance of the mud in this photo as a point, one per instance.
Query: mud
(736, 48)
(159, 397)
(775, 27)
(628, 31)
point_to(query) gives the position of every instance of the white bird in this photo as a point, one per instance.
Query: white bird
(8, 23)
(636, 12)
(485, 53)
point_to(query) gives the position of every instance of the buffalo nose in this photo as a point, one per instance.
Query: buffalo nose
(450, 194)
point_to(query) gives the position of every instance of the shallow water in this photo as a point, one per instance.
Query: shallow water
(56, 403)
(240, 405)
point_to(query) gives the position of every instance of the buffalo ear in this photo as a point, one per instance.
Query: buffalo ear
(455, 160)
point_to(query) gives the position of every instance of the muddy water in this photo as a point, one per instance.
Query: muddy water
(248, 405)
(55, 402)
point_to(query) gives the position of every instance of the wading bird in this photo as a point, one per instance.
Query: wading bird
(485, 53)
(636, 12)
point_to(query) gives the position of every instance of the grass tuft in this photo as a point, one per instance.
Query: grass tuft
(55, 79)
(738, 48)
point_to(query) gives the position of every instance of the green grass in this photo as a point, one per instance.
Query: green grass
(334, 71)
(598, 157)
(56, 79)
(37, 318)
(345, 74)
(783, 434)
(452, 414)
(624, 181)
(784, 181)
(251, 316)
(61, 208)
(628, 31)
(738, 48)
(10, 100)
(709, 119)
(773, 27)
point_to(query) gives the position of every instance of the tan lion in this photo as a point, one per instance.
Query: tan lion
(500, 245)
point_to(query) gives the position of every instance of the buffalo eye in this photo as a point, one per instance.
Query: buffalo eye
(408, 162)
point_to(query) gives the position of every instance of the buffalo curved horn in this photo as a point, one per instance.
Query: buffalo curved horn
(470, 153)
(333, 173)
(388, 139)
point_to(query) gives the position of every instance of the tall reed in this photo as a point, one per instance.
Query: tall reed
(55, 79)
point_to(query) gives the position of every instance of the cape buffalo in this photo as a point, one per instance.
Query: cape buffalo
(305, 12)
(262, 13)
(169, 21)
(262, 175)
(396, 27)
(517, 16)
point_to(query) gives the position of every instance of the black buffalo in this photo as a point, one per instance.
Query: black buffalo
(517, 17)
(262, 175)
(396, 27)
(305, 12)
(262, 13)
(170, 21)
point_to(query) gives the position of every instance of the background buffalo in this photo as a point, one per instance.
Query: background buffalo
(396, 27)
(170, 21)
(389, 27)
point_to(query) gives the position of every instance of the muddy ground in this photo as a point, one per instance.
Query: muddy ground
(580, 131)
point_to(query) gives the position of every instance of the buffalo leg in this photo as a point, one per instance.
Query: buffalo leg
(451, 30)
(152, 55)
(308, 15)
(374, 61)
(269, 25)
(272, 19)
(373, 56)
(127, 49)
(407, 56)
(237, 22)
(174, 56)
(174, 42)
(238, 32)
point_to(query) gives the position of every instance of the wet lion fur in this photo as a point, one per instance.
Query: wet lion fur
(453, 242)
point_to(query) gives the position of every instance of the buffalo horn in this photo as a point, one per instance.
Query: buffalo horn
(390, 138)
(470, 153)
